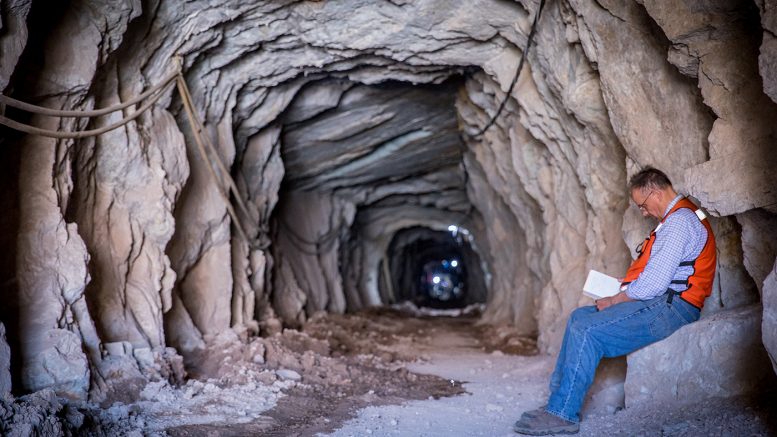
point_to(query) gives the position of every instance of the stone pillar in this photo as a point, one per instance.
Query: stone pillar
(52, 274)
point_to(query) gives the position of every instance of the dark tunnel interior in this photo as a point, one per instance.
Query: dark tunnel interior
(436, 269)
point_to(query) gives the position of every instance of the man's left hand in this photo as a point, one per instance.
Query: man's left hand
(612, 300)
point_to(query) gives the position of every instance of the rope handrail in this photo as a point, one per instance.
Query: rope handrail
(40, 110)
(197, 128)
(153, 94)
(26, 128)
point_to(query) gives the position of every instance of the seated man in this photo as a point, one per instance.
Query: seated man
(664, 289)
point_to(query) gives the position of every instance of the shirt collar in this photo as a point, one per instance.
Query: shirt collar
(671, 205)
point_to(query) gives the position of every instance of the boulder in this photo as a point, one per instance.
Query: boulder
(718, 356)
(606, 396)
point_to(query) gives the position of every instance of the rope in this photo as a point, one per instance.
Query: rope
(517, 72)
(197, 128)
(154, 94)
(26, 128)
(9, 101)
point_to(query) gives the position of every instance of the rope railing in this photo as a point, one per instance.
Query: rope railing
(153, 94)
(40, 110)
(26, 128)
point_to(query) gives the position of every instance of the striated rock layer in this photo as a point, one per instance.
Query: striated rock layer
(345, 123)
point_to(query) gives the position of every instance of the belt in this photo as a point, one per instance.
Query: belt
(672, 293)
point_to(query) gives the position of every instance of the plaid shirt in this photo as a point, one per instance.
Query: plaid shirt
(681, 238)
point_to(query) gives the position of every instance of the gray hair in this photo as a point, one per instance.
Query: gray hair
(651, 178)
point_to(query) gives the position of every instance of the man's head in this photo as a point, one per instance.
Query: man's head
(651, 191)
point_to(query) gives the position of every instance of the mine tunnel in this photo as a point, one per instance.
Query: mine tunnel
(435, 269)
(321, 218)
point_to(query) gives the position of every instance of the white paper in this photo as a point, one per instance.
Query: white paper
(599, 285)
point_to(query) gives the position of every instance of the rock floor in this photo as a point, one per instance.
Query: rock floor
(381, 373)
(501, 386)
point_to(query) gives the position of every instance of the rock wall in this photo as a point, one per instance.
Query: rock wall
(344, 123)
(5, 364)
(700, 361)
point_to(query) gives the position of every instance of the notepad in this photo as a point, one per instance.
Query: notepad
(599, 285)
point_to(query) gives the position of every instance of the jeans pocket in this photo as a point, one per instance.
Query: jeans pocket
(687, 312)
(665, 323)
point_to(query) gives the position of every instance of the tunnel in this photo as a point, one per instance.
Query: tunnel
(275, 217)
(437, 269)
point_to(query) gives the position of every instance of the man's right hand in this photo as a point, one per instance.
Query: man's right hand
(603, 303)
(612, 300)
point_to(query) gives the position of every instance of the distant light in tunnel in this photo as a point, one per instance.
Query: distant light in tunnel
(454, 263)
(453, 228)
(436, 279)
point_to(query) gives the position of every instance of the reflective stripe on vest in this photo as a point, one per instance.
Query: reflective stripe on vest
(700, 281)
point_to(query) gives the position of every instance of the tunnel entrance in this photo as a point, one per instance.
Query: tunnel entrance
(436, 269)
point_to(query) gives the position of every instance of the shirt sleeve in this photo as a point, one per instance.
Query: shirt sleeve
(672, 239)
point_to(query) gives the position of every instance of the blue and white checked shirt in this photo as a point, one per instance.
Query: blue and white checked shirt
(680, 238)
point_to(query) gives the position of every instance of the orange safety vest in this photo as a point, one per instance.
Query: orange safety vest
(700, 281)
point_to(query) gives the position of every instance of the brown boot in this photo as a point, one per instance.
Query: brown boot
(545, 423)
(533, 413)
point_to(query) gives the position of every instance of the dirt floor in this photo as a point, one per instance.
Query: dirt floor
(389, 372)
(349, 362)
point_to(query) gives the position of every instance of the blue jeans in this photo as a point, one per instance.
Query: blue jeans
(617, 330)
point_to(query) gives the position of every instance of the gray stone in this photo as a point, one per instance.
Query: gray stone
(606, 394)
(287, 374)
(118, 348)
(5, 364)
(769, 324)
(733, 286)
(759, 243)
(60, 365)
(767, 59)
(718, 356)
(13, 37)
(735, 183)
(739, 143)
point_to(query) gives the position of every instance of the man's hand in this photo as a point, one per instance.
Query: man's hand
(610, 301)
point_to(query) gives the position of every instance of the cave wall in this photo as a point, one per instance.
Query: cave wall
(125, 246)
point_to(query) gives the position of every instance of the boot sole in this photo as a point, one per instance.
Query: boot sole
(548, 431)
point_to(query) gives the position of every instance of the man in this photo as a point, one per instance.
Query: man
(664, 289)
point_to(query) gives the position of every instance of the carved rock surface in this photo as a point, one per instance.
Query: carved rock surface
(769, 324)
(345, 123)
(5, 364)
(718, 356)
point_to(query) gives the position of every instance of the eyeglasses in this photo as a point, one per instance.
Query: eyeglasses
(641, 206)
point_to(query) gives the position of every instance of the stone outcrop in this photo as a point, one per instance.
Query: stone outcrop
(769, 323)
(5, 364)
(345, 123)
(718, 356)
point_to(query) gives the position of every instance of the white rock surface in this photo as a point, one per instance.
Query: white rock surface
(718, 356)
